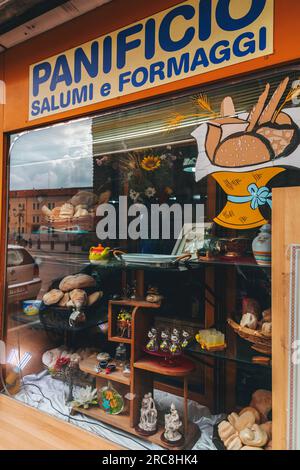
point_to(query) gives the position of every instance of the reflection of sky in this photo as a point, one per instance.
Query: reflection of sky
(56, 157)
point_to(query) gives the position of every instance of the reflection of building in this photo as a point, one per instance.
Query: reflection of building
(25, 208)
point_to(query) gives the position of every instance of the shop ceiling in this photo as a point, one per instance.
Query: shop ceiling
(21, 20)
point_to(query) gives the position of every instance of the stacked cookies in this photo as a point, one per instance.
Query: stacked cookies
(250, 429)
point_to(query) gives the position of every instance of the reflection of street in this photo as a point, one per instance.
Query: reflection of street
(55, 265)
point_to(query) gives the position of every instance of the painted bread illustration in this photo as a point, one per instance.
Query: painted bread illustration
(267, 134)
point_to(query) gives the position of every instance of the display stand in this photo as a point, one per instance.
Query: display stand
(143, 369)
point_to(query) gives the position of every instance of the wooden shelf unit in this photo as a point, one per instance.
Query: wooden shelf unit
(141, 380)
(89, 366)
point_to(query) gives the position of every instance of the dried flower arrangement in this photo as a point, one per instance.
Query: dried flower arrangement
(148, 175)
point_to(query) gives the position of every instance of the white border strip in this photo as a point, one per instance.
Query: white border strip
(293, 411)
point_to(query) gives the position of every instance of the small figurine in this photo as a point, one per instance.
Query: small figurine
(186, 337)
(171, 435)
(153, 295)
(175, 348)
(152, 345)
(165, 343)
(148, 420)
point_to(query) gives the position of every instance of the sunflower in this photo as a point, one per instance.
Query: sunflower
(150, 163)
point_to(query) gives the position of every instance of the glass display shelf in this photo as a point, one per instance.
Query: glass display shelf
(242, 356)
(188, 265)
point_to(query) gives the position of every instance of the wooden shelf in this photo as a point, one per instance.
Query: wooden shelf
(119, 339)
(135, 303)
(88, 366)
(154, 364)
(120, 421)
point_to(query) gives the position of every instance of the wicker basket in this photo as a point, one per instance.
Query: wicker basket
(86, 223)
(261, 343)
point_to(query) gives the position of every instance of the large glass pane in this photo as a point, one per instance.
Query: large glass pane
(80, 190)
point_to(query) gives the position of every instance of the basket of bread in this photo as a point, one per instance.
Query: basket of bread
(255, 326)
(79, 293)
(250, 429)
(79, 212)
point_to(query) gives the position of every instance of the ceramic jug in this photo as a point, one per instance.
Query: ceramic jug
(261, 246)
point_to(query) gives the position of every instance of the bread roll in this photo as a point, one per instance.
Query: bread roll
(262, 402)
(78, 297)
(267, 427)
(247, 419)
(53, 297)
(267, 329)
(225, 430)
(86, 198)
(70, 304)
(267, 315)
(81, 213)
(46, 211)
(77, 281)
(66, 211)
(254, 436)
(55, 213)
(249, 320)
(251, 410)
(234, 443)
(93, 298)
(64, 300)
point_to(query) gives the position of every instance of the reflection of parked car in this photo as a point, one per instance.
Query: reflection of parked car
(22, 275)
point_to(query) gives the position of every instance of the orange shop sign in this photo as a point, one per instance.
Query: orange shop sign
(191, 38)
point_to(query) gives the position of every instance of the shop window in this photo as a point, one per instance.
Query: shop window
(124, 180)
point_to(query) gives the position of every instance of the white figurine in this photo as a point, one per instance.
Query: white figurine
(148, 420)
(172, 426)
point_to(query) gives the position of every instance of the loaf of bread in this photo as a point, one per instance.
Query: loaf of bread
(55, 213)
(249, 320)
(78, 297)
(77, 281)
(267, 427)
(46, 211)
(93, 298)
(253, 411)
(234, 443)
(262, 402)
(81, 213)
(66, 211)
(254, 436)
(64, 300)
(53, 297)
(267, 329)
(86, 198)
(226, 430)
(247, 419)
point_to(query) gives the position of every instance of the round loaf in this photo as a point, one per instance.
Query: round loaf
(225, 430)
(77, 281)
(53, 297)
(254, 436)
(234, 443)
(246, 420)
(251, 410)
(93, 298)
(242, 150)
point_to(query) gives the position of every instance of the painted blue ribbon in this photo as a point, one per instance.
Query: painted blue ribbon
(258, 197)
